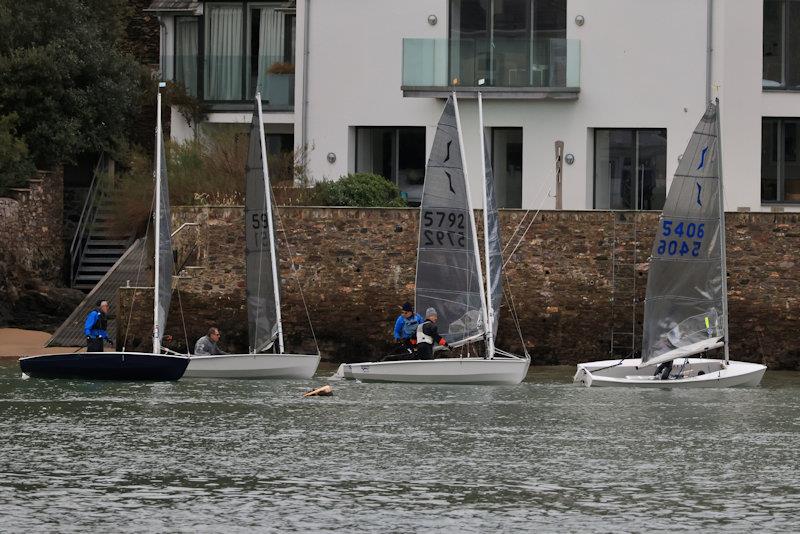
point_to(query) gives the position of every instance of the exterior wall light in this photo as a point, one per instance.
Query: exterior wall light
(331, 157)
(432, 20)
(569, 159)
(579, 20)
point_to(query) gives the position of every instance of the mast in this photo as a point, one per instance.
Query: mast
(488, 300)
(157, 217)
(271, 229)
(723, 252)
(471, 213)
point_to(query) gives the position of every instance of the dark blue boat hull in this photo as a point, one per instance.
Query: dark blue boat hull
(105, 366)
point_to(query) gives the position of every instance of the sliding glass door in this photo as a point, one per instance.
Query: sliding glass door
(630, 169)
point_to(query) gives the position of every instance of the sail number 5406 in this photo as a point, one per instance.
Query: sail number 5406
(687, 238)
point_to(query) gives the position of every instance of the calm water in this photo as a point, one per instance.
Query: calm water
(244, 455)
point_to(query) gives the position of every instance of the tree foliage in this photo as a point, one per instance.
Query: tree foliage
(359, 189)
(14, 163)
(63, 72)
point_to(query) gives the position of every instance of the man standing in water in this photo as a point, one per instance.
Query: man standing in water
(207, 345)
(94, 328)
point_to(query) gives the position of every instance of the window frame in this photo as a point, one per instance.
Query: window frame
(783, 87)
(635, 132)
(246, 52)
(779, 164)
(198, 54)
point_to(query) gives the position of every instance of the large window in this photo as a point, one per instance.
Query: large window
(630, 169)
(186, 53)
(780, 160)
(395, 153)
(507, 166)
(508, 42)
(249, 50)
(781, 44)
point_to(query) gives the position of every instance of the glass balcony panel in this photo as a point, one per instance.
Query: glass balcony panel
(231, 82)
(500, 62)
(274, 77)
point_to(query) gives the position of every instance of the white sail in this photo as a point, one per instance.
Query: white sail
(263, 289)
(164, 262)
(491, 229)
(448, 266)
(686, 302)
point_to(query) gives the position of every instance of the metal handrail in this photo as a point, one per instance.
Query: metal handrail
(89, 205)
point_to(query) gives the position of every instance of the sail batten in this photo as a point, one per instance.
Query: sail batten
(685, 288)
(262, 290)
(448, 274)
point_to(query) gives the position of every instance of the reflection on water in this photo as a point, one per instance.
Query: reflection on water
(239, 455)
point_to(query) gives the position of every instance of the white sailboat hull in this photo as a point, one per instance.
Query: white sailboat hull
(440, 371)
(253, 366)
(686, 373)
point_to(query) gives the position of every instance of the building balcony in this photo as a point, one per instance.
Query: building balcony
(229, 83)
(533, 69)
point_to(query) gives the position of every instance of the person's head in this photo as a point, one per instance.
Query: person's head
(407, 310)
(431, 315)
(102, 305)
(213, 334)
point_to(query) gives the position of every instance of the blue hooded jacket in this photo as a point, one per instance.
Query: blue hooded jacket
(93, 325)
(406, 328)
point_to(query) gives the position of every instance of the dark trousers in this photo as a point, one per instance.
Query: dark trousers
(425, 351)
(94, 344)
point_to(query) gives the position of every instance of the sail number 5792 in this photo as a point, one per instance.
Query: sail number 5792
(443, 229)
(686, 238)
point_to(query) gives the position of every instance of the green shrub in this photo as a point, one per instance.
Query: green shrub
(361, 190)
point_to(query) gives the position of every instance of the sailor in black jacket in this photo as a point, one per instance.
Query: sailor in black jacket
(428, 335)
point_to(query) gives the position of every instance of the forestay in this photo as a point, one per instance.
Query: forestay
(447, 267)
(261, 304)
(684, 301)
(165, 259)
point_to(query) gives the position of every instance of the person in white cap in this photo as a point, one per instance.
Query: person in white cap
(428, 335)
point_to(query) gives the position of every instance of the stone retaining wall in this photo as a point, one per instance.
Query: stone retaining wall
(356, 265)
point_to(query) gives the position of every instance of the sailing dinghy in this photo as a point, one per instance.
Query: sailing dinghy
(449, 273)
(265, 331)
(686, 305)
(130, 365)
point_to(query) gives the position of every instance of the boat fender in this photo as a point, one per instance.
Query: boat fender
(324, 391)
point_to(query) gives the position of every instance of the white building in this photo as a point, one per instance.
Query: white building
(621, 83)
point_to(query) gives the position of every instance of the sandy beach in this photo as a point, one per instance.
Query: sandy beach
(15, 342)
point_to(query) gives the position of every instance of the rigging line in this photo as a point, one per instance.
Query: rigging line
(282, 228)
(514, 315)
(138, 274)
(524, 218)
(514, 234)
(183, 319)
(522, 237)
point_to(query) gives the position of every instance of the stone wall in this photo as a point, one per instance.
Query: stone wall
(356, 265)
(31, 220)
(31, 256)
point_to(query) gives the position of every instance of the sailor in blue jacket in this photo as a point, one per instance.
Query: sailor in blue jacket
(95, 327)
(405, 327)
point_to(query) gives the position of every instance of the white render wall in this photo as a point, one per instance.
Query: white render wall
(643, 65)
